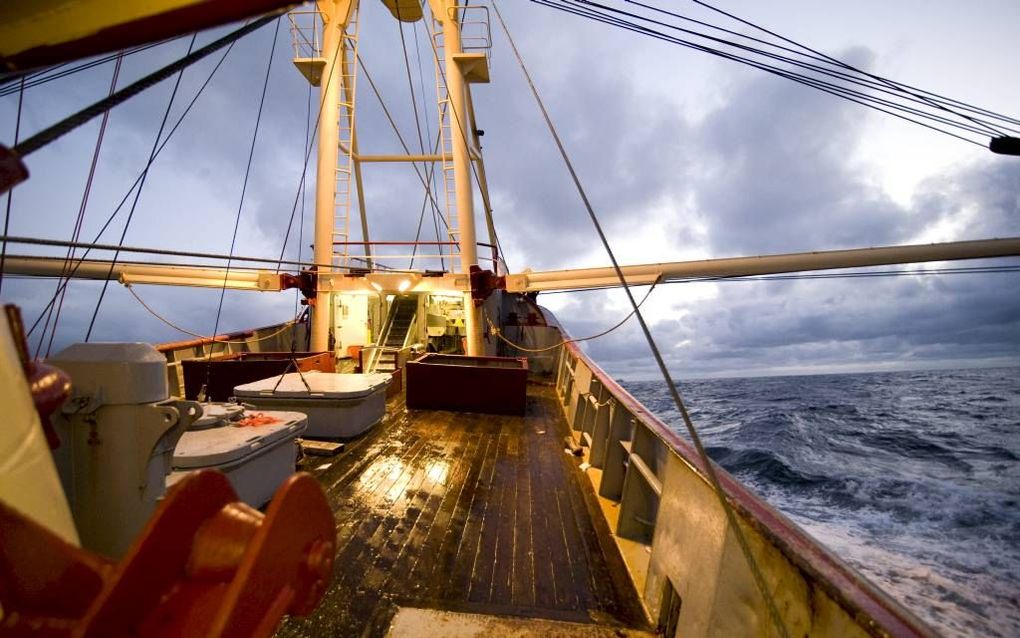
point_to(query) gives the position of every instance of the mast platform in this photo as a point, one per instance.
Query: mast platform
(470, 513)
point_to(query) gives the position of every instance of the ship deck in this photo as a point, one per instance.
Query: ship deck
(468, 513)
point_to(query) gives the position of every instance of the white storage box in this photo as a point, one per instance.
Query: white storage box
(257, 459)
(337, 405)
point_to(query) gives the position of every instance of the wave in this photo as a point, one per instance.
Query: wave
(913, 477)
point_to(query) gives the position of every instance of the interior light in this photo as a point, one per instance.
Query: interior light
(404, 285)
(376, 286)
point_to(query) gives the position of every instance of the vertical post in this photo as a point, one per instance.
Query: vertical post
(334, 18)
(455, 87)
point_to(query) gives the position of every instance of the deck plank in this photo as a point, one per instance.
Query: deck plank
(469, 513)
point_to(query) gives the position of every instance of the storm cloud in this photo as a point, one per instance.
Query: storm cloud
(676, 166)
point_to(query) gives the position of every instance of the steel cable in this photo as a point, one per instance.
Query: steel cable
(138, 193)
(80, 220)
(734, 523)
(584, 8)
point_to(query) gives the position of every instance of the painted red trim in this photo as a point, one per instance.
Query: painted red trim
(867, 604)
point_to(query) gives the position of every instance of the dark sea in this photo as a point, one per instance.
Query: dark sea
(912, 477)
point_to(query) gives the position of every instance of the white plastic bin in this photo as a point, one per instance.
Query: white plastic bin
(337, 405)
(256, 459)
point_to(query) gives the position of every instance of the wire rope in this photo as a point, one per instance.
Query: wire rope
(80, 220)
(112, 216)
(75, 120)
(41, 241)
(429, 167)
(138, 192)
(877, 83)
(734, 523)
(836, 61)
(436, 213)
(299, 193)
(215, 339)
(851, 95)
(40, 77)
(10, 192)
(583, 8)
(499, 333)
(244, 183)
(456, 118)
(396, 129)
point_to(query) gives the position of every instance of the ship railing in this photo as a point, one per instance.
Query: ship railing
(274, 338)
(673, 534)
(475, 31)
(306, 33)
(426, 255)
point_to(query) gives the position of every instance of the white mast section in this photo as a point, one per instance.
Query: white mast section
(456, 116)
(335, 15)
(605, 277)
(270, 280)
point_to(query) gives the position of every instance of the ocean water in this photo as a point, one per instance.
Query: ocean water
(912, 477)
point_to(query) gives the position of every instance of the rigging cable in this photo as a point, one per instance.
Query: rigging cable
(80, 220)
(734, 523)
(879, 84)
(10, 192)
(429, 167)
(436, 213)
(215, 339)
(40, 241)
(40, 77)
(902, 94)
(72, 122)
(822, 57)
(499, 333)
(113, 215)
(852, 95)
(393, 124)
(301, 190)
(138, 193)
(456, 119)
(244, 187)
(836, 61)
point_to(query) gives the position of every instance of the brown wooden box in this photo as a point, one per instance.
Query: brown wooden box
(225, 372)
(491, 385)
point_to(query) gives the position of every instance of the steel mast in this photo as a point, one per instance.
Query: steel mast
(461, 68)
(335, 16)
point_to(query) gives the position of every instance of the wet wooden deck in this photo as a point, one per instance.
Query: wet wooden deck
(469, 513)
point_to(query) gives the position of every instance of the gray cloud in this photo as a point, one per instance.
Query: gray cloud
(762, 166)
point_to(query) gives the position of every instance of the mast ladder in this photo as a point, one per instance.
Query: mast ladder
(342, 194)
(447, 120)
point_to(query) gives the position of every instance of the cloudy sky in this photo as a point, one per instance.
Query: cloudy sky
(684, 157)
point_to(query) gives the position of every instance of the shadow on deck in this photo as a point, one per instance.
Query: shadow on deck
(471, 513)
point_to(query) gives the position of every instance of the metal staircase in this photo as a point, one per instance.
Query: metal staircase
(398, 329)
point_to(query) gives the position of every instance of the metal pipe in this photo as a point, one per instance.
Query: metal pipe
(127, 272)
(764, 264)
(400, 158)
